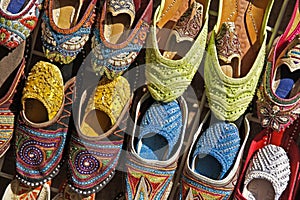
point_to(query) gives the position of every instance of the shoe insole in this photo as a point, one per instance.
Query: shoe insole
(249, 33)
(98, 121)
(176, 51)
(153, 147)
(66, 13)
(231, 69)
(15, 6)
(208, 166)
(117, 28)
(35, 111)
(229, 11)
(284, 87)
(260, 189)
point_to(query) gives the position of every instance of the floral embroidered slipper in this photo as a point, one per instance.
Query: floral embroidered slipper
(20, 191)
(66, 28)
(168, 75)
(268, 173)
(236, 54)
(152, 158)
(96, 145)
(12, 67)
(16, 25)
(214, 159)
(115, 46)
(42, 126)
(278, 96)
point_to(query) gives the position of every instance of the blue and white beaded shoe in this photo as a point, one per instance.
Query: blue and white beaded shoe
(17, 21)
(65, 30)
(152, 162)
(213, 161)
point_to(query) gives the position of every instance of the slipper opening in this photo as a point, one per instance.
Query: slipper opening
(259, 189)
(99, 121)
(35, 111)
(208, 166)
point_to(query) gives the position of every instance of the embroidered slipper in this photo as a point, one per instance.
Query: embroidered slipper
(268, 174)
(160, 130)
(233, 66)
(150, 171)
(278, 95)
(66, 193)
(114, 45)
(16, 26)
(12, 67)
(20, 191)
(66, 27)
(210, 171)
(167, 79)
(42, 126)
(96, 145)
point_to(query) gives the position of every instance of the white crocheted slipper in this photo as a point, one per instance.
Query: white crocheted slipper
(268, 173)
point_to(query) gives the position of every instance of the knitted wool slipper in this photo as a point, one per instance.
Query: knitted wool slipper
(16, 27)
(216, 150)
(66, 28)
(210, 173)
(12, 67)
(268, 174)
(229, 97)
(115, 46)
(167, 79)
(96, 146)
(43, 124)
(278, 96)
(150, 171)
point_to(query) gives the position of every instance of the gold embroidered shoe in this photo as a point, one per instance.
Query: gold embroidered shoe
(42, 126)
(235, 56)
(168, 75)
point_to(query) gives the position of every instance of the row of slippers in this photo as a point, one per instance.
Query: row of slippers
(216, 77)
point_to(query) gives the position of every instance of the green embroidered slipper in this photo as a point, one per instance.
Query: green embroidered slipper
(167, 79)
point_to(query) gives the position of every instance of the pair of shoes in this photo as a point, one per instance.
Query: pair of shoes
(236, 54)
(66, 26)
(154, 147)
(271, 168)
(17, 21)
(278, 103)
(176, 47)
(213, 161)
(119, 36)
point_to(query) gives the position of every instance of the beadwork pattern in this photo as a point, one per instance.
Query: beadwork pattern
(113, 59)
(168, 79)
(229, 97)
(14, 29)
(39, 150)
(62, 45)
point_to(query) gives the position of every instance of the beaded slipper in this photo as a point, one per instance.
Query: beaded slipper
(20, 191)
(16, 25)
(66, 193)
(268, 174)
(213, 176)
(150, 170)
(66, 27)
(12, 68)
(167, 79)
(96, 146)
(232, 74)
(42, 127)
(115, 47)
(278, 103)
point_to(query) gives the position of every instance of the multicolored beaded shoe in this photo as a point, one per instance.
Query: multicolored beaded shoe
(96, 146)
(12, 69)
(235, 56)
(201, 180)
(152, 161)
(41, 129)
(278, 101)
(168, 76)
(16, 25)
(66, 28)
(115, 46)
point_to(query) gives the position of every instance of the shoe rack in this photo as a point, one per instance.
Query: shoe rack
(279, 17)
